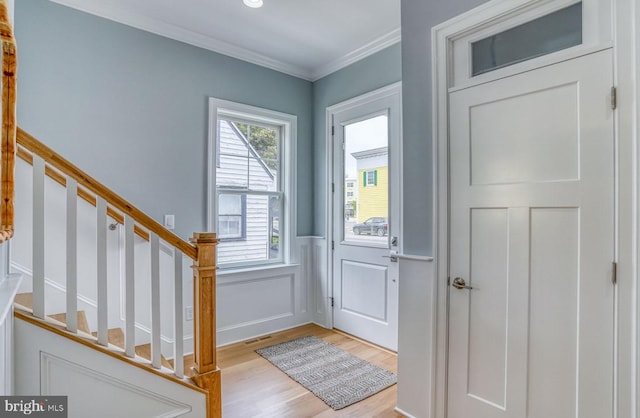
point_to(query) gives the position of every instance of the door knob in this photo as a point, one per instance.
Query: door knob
(459, 283)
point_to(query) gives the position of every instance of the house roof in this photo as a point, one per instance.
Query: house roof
(251, 149)
(369, 153)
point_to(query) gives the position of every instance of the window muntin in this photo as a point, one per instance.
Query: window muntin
(550, 33)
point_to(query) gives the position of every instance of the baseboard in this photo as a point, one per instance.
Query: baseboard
(403, 413)
(263, 334)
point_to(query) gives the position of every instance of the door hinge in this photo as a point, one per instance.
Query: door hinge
(614, 98)
(333, 130)
(333, 187)
(332, 301)
(614, 272)
(333, 245)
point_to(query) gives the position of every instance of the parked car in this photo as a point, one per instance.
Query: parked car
(376, 225)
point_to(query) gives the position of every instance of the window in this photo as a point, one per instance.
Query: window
(349, 184)
(553, 32)
(370, 178)
(250, 179)
(232, 220)
(349, 194)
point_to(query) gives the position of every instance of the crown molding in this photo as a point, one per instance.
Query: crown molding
(356, 55)
(197, 39)
(177, 33)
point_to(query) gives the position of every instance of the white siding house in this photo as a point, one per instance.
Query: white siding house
(244, 218)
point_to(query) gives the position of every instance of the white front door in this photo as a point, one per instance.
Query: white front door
(532, 238)
(365, 217)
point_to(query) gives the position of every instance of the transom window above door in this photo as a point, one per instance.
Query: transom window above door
(502, 39)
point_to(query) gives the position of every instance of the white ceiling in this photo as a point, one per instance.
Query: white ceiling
(304, 38)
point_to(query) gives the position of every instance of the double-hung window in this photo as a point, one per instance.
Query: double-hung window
(250, 183)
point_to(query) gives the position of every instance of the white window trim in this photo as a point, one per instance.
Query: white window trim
(288, 173)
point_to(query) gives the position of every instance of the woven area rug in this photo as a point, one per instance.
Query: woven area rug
(333, 375)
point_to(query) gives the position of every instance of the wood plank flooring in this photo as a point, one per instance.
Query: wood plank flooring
(253, 387)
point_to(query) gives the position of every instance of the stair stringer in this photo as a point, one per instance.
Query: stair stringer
(97, 384)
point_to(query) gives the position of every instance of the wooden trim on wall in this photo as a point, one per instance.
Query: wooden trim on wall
(82, 193)
(8, 136)
(113, 200)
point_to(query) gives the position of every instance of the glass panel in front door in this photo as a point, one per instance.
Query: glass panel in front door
(366, 181)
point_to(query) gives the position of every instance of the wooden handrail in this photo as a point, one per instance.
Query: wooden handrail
(67, 168)
(82, 193)
(8, 136)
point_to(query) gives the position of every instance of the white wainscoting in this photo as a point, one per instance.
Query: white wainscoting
(8, 288)
(416, 335)
(53, 365)
(321, 306)
(255, 302)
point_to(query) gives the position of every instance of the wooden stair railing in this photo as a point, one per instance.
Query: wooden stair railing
(8, 135)
(201, 249)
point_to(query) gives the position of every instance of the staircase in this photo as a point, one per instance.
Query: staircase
(116, 338)
(118, 349)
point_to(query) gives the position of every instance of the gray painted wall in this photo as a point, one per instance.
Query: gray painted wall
(371, 73)
(110, 98)
(116, 101)
(418, 17)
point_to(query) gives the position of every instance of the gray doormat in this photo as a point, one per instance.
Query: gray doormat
(333, 375)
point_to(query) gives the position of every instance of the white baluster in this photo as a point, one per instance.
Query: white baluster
(129, 311)
(38, 236)
(178, 326)
(155, 301)
(103, 300)
(72, 255)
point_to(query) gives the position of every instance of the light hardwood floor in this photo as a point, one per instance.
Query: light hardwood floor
(253, 387)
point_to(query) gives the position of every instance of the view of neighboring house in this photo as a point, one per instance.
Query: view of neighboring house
(244, 219)
(373, 183)
(350, 197)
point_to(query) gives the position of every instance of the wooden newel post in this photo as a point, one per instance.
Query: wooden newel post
(206, 372)
(8, 135)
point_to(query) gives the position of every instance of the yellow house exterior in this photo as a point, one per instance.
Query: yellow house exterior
(373, 199)
(373, 183)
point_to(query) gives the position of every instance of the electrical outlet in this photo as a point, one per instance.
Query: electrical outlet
(188, 313)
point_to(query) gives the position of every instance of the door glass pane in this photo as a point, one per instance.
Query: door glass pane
(366, 185)
(553, 32)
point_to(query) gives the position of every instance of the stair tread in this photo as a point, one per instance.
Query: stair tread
(24, 299)
(188, 364)
(83, 322)
(50, 325)
(116, 337)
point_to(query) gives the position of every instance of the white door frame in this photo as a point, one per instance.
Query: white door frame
(626, 42)
(395, 157)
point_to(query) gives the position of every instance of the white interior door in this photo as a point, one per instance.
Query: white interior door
(365, 219)
(532, 235)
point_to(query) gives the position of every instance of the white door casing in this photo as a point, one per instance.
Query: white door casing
(364, 276)
(532, 234)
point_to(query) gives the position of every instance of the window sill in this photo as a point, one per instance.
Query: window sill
(279, 268)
